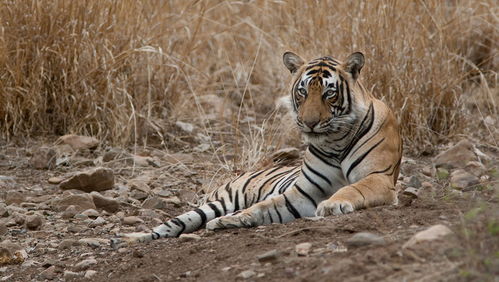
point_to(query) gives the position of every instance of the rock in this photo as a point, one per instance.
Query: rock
(44, 158)
(436, 232)
(70, 212)
(78, 142)
(364, 239)
(97, 222)
(426, 185)
(49, 273)
(140, 185)
(34, 222)
(461, 179)
(457, 156)
(187, 127)
(414, 182)
(189, 237)
(68, 244)
(132, 220)
(14, 197)
(85, 264)
(268, 256)
(247, 274)
(153, 203)
(98, 179)
(93, 242)
(411, 191)
(91, 213)
(303, 249)
(475, 168)
(70, 275)
(3, 228)
(427, 171)
(80, 201)
(442, 173)
(114, 154)
(105, 203)
(90, 273)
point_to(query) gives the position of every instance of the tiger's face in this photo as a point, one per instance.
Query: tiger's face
(321, 96)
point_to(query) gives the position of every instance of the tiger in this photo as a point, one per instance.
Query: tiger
(352, 158)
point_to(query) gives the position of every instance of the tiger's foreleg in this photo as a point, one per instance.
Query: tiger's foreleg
(282, 208)
(372, 190)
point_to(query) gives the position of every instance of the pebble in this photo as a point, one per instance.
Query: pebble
(442, 173)
(414, 182)
(433, 233)
(461, 179)
(154, 203)
(92, 242)
(85, 264)
(70, 275)
(189, 237)
(90, 273)
(97, 222)
(80, 201)
(34, 222)
(268, 256)
(364, 239)
(67, 244)
(411, 191)
(475, 168)
(70, 212)
(108, 204)
(49, 273)
(426, 185)
(303, 249)
(91, 213)
(97, 179)
(247, 274)
(132, 220)
(43, 158)
(55, 180)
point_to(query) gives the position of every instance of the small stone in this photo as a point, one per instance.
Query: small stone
(268, 256)
(70, 212)
(49, 273)
(337, 247)
(98, 179)
(154, 203)
(247, 274)
(189, 237)
(427, 171)
(364, 239)
(14, 197)
(80, 201)
(97, 222)
(132, 220)
(34, 222)
(442, 173)
(426, 185)
(414, 182)
(456, 156)
(4, 212)
(92, 242)
(55, 180)
(433, 233)
(67, 244)
(70, 275)
(85, 264)
(43, 158)
(105, 203)
(145, 161)
(90, 273)
(475, 168)
(78, 142)
(303, 249)
(461, 179)
(411, 191)
(91, 213)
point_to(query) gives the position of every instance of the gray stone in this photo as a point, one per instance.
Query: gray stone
(34, 222)
(132, 220)
(189, 237)
(89, 274)
(108, 204)
(364, 239)
(303, 249)
(44, 158)
(154, 203)
(85, 264)
(475, 168)
(91, 213)
(80, 201)
(435, 232)
(414, 182)
(98, 179)
(70, 212)
(49, 273)
(457, 156)
(68, 244)
(97, 222)
(461, 179)
(268, 256)
(247, 274)
(70, 275)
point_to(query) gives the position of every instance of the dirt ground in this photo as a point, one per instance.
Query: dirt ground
(470, 254)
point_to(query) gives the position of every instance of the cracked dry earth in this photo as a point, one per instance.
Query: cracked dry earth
(445, 227)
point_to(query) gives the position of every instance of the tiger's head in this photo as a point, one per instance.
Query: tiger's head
(322, 93)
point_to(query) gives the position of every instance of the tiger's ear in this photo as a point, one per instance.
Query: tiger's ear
(354, 64)
(292, 61)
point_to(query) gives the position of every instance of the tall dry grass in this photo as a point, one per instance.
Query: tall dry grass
(113, 68)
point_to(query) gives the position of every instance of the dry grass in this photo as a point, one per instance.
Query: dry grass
(112, 69)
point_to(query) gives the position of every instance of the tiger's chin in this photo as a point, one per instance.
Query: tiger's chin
(315, 138)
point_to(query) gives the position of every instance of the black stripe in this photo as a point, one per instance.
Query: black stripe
(363, 129)
(359, 159)
(222, 201)
(270, 179)
(349, 96)
(306, 195)
(367, 140)
(251, 177)
(313, 182)
(317, 173)
(316, 154)
(278, 213)
(202, 215)
(215, 209)
(381, 171)
(360, 192)
(180, 223)
(290, 208)
(167, 225)
(236, 201)
(273, 170)
(270, 216)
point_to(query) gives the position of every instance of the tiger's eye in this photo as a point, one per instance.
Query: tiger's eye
(302, 91)
(330, 94)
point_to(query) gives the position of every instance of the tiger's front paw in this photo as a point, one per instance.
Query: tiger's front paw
(128, 239)
(334, 207)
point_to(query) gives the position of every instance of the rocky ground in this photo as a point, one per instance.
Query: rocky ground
(62, 202)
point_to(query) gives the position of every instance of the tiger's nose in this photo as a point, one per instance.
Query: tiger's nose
(311, 123)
